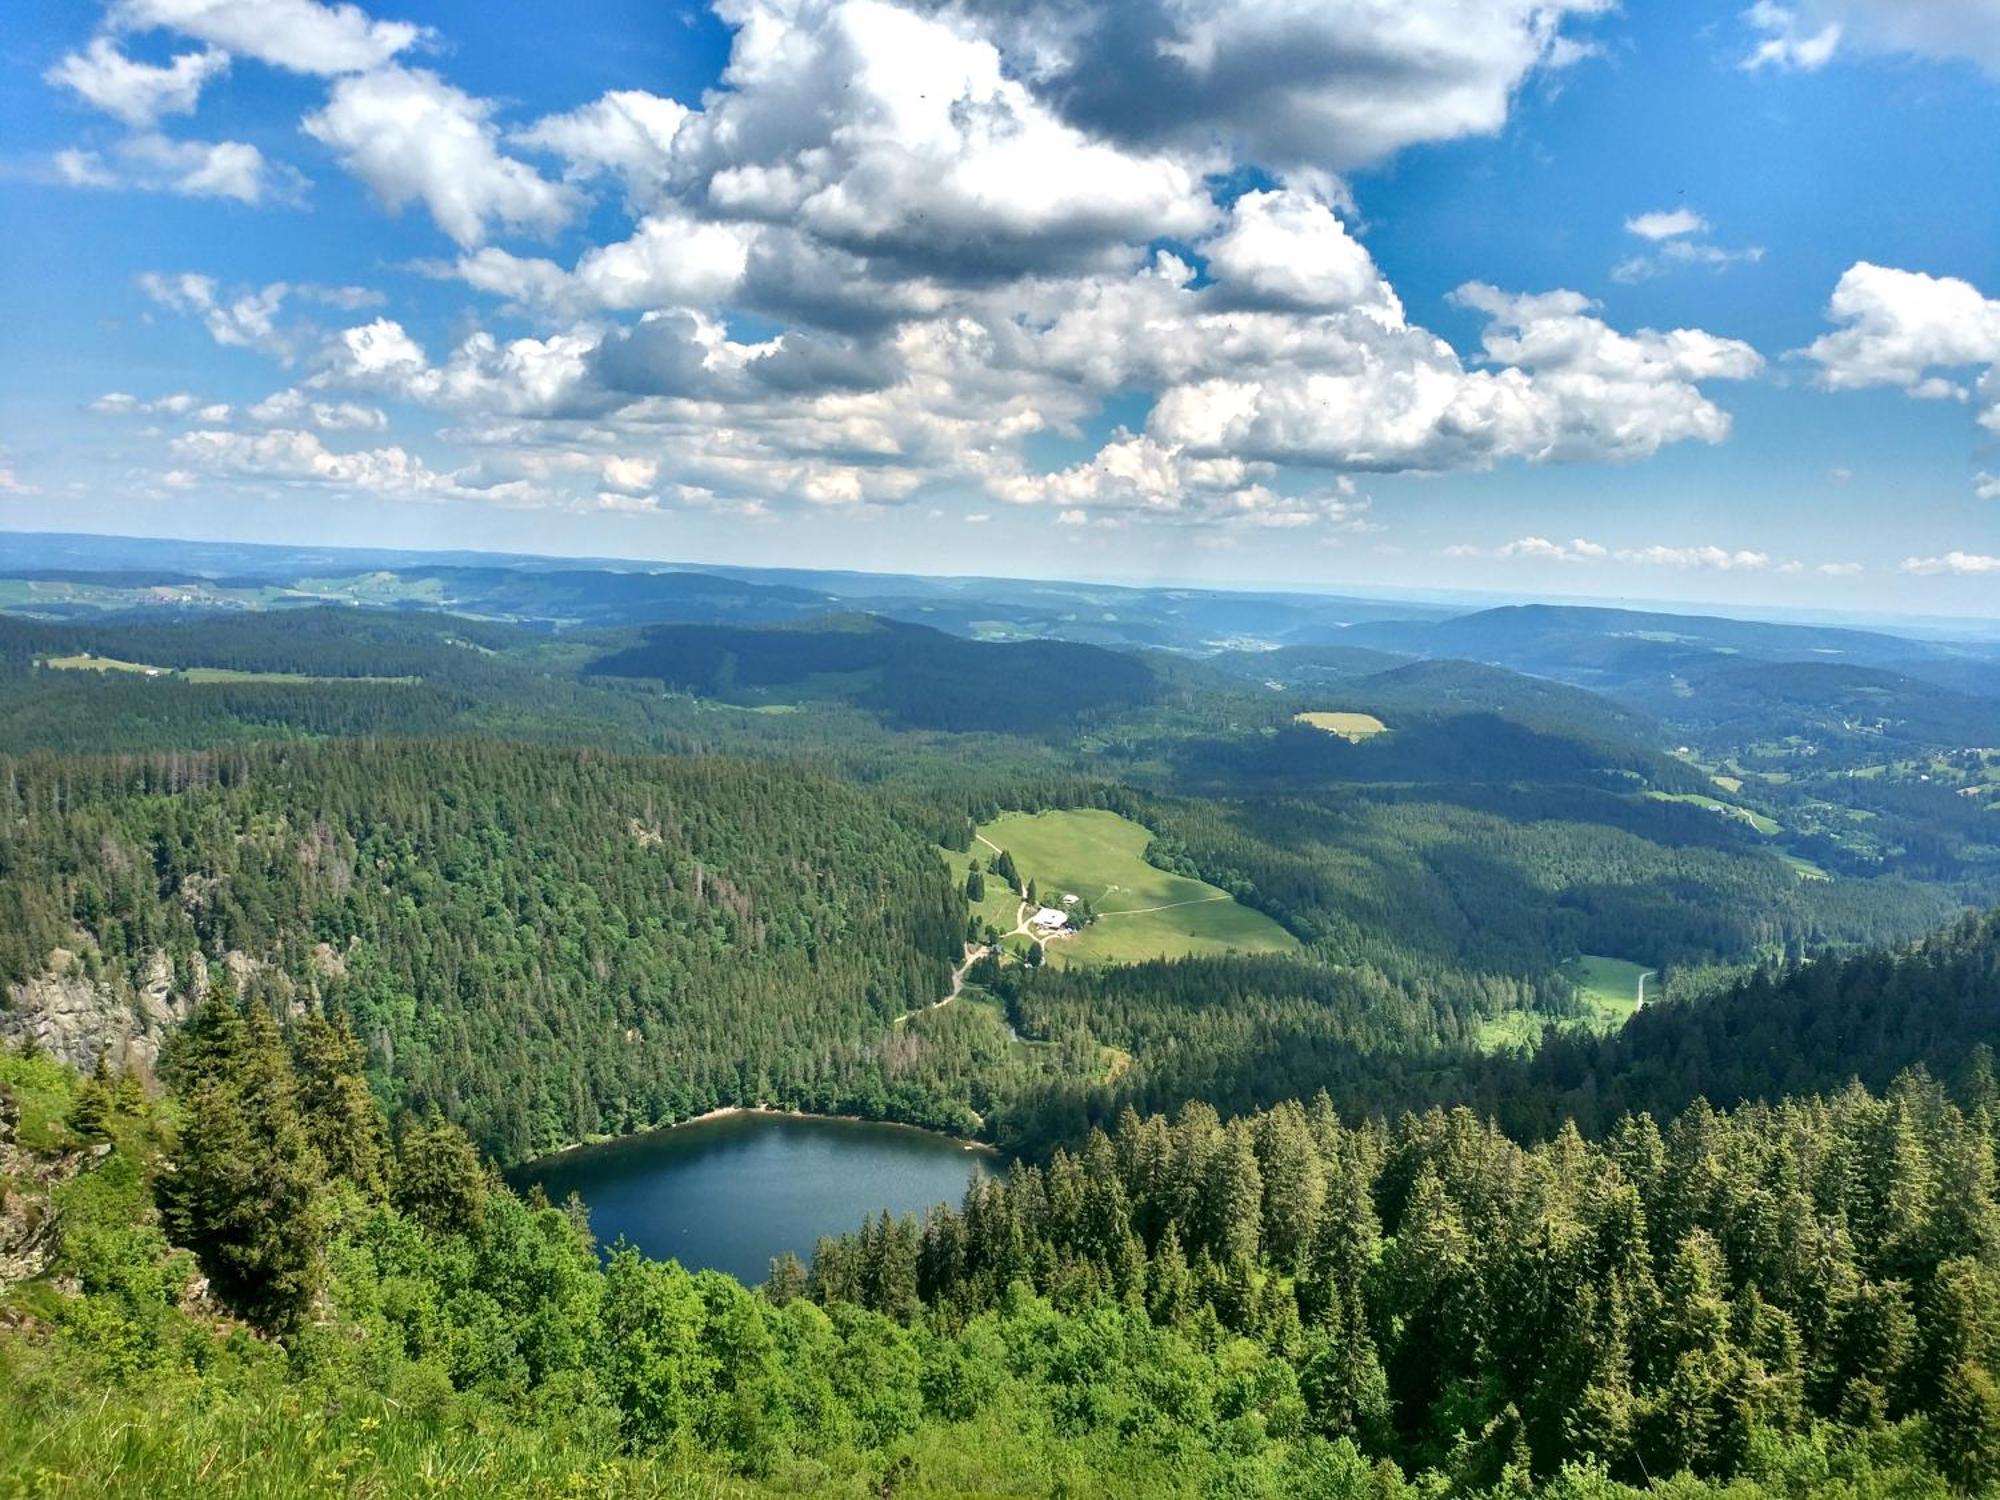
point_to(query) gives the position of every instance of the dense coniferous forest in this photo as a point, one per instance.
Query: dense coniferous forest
(915, 676)
(314, 925)
(547, 944)
(1791, 1298)
(1243, 1033)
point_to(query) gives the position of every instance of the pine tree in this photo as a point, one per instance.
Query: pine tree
(1169, 1283)
(439, 1179)
(1965, 1429)
(245, 1192)
(1229, 1212)
(90, 1113)
(787, 1281)
(341, 1115)
(130, 1096)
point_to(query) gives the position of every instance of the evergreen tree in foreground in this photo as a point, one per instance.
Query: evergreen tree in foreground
(245, 1191)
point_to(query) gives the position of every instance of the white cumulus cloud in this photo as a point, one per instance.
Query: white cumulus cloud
(1713, 558)
(1666, 224)
(150, 162)
(627, 134)
(1807, 34)
(1575, 550)
(301, 35)
(1961, 563)
(1900, 327)
(246, 318)
(1934, 337)
(137, 93)
(412, 137)
(1332, 84)
(902, 244)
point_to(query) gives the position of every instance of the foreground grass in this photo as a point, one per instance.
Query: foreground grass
(1143, 912)
(258, 1438)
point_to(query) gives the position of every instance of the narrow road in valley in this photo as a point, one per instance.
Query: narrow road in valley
(1649, 974)
(973, 953)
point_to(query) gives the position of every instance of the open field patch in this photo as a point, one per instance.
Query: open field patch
(193, 674)
(1609, 988)
(1349, 726)
(1766, 826)
(1609, 985)
(1142, 912)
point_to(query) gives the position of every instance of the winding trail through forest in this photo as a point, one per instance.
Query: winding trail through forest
(973, 953)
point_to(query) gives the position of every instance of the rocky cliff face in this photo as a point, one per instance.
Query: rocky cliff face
(127, 1020)
(79, 1019)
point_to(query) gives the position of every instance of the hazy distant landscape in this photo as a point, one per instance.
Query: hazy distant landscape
(540, 856)
(921, 750)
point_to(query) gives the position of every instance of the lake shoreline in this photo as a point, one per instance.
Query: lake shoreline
(728, 1111)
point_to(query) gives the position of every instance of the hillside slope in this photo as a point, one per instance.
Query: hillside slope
(911, 674)
(547, 944)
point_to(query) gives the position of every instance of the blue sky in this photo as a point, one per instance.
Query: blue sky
(1672, 301)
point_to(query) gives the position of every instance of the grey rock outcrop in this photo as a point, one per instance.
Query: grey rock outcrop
(80, 1019)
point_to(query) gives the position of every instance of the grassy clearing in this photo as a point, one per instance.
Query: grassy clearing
(1609, 988)
(1766, 826)
(1805, 868)
(1609, 985)
(194, 674)
(1142, 912)
(1349, 726)
(1001, 906)
(1730, 784)
(101, 664)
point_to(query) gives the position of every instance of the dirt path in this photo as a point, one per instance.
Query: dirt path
(1136, 911)
(973, 953)
(1649, 974)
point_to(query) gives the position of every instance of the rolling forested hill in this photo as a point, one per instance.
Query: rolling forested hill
(547, 944)
(1582, 643)
(911, 674)
(1394, 1209)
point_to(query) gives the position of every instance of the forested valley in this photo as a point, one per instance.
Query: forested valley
(313, 922)
(277, 1292)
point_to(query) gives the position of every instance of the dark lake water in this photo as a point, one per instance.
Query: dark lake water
(731, 1193)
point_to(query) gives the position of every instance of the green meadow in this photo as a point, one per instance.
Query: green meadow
(1609, 988)
(194, 674)
(1143, 912)
(1349, 726)
(1766, 826)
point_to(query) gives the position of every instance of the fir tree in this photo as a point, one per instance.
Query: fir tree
(90, 1114)
(439, 1179)
(245, 1191)
(341, 1115)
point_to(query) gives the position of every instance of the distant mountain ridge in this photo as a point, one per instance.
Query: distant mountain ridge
(913, 675)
